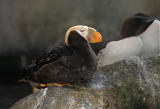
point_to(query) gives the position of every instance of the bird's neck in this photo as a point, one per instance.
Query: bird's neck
(87, 55)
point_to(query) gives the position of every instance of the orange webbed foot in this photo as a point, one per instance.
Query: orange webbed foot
(54, 84)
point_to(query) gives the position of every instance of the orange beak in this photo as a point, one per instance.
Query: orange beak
(94, 36)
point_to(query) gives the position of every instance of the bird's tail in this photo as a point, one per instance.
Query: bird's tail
(28, 72)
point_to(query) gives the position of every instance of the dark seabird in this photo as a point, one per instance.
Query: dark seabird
(141, 38)
(71, 63)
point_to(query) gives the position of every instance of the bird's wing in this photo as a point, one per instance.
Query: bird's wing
(51, 56)
(53, 71)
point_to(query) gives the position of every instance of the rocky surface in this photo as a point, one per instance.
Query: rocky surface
(133, 83)
(130, 84)
(62, 98)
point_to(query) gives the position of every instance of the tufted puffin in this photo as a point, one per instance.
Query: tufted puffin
(71, 63)
(142, 38)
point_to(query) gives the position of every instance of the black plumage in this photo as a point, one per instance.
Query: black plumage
(47, 57)
(73, 63)
(136, 25)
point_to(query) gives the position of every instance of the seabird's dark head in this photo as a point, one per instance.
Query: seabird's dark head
(82, 34)
(78, 38)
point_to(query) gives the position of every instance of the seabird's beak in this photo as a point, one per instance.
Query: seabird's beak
(93, 36)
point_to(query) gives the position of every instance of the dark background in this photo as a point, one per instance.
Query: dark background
(30, 27)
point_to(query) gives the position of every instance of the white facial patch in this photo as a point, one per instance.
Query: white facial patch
(83, 32)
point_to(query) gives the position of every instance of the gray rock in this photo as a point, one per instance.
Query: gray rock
(129, 84)
(62, 98)
(133, 83)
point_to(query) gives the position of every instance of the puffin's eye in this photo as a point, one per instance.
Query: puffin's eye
(82, 30)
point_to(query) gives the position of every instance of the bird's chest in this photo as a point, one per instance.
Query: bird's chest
(77, 62)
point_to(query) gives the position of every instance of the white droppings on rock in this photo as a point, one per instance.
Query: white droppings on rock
(40, 98)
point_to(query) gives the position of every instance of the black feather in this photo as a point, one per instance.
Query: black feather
(51, 56)
(136, 25)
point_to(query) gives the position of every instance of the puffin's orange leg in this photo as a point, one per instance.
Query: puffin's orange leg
(55, 84)
(35, 90)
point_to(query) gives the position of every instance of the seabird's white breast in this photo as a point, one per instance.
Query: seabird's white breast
(146, 44)
(151, 40)
(119, 50)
